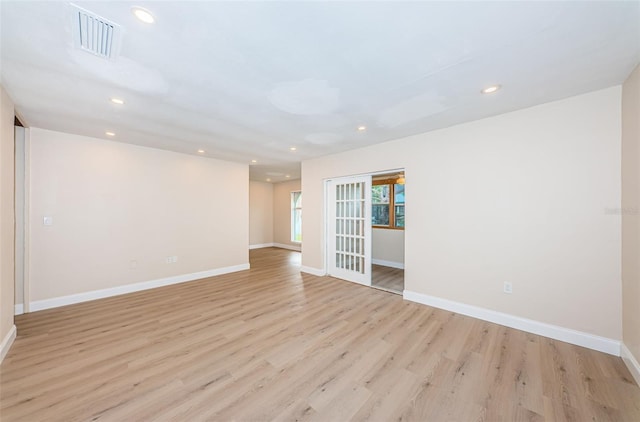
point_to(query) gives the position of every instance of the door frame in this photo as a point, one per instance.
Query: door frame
(327, 213)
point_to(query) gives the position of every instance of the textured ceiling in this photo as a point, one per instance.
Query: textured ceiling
(250, 80)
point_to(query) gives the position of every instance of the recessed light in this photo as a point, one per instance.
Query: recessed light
(110, 134)
(117, 101)
(143, 15)
(287, 176)
(491, 89)
(200, 151)
(362, 128)
(254, 161)
(268, 180)
(293, 148)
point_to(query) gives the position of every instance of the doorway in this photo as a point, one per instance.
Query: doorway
(388, 228)
(365, 229)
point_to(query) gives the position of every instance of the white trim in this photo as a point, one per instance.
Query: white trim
(26, 282)
(631, 362)
(130, 288)
(567, 335)
(261, 245)
(276, 245)
(313, 271)
(7, 341)
(325, 221)
(20, 214)
(391, 264)
(18, 309)
(290, 247)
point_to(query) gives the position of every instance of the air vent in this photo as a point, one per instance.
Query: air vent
(95, 34)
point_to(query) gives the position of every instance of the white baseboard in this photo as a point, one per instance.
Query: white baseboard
(130, 288)
(313, 271)
(391, 264)
(290, 247)
(18, 309)
(7, 341)
(567, 335)
(276, 245)
(261, 245)
(631, 362)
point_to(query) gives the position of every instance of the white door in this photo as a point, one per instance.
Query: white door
(349, 229)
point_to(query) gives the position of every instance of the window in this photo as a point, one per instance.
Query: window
(387, 204)
(296, 216)
(398, 203)
(380, 200)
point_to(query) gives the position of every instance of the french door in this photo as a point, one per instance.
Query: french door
(349, 229)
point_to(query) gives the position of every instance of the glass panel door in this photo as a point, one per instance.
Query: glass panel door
(350, 229)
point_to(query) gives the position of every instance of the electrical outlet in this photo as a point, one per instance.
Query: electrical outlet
(508, 288)
(133, 264)
(174, 259)
(171, 259)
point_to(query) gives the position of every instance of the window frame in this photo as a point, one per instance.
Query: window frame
(294, 209)
(392, 203)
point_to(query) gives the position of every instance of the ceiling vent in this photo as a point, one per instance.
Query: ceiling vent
(95, 34)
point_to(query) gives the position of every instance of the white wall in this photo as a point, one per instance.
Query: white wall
(282, 213)
(521, 197)
(387, 246)
(7, 221)
(119, 210)
(260, 213)
(631, 217)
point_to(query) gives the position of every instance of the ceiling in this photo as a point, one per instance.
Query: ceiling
(247, 81)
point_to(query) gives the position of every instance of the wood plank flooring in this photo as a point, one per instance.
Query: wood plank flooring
(387, 278)
(273, 344)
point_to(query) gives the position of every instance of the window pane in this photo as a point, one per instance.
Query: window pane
(399, 215)
(296, 216)
(296, 199)
(380, 205)
(399, 194)
(399, 205)
(380, 214)
(380, 194)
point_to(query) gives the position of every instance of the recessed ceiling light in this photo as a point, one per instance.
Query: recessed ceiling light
(254, 161)
(362, 128)
(143, 15)
(268, 180)
(200, 151)
(491, 89)
(287, 176)
(293, 148)
(117, 101)
(110, 134)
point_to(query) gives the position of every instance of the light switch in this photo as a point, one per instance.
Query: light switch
(48, 221)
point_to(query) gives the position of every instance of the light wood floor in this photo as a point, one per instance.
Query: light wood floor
(387, 278)
(272, 344)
